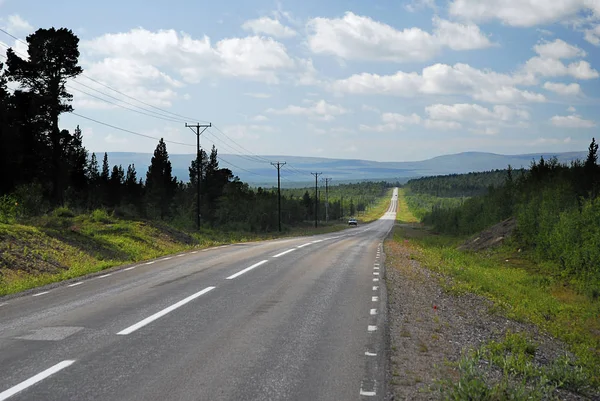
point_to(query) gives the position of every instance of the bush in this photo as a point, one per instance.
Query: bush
(63, 212)
(100, 216)
(31, 200)
(8, 209)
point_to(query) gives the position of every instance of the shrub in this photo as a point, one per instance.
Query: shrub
(100, 216)
(8, 209)
(63, 212)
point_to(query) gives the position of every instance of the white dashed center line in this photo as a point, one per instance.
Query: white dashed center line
(367, 353)
(374, 299)
(163, 312)
(375, 279)
(375, 288)
(33, 380)
(302, 246)
(247, 269)
(371, 328)
(373, 311)
(284, 253)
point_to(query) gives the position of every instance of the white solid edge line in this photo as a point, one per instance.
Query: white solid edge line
(246, 270)
(130, 268)
(33, 380)
(163, 312)
(105, 275)
(76, 284)
(167, 258)
(4, 303)
(149, 263)
(302, 246)
(373, 311)
(40, 293)
(284, 253)
(180, 255)
(194, 251)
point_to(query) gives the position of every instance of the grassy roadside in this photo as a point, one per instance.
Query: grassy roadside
(522, 291)
(62, 246)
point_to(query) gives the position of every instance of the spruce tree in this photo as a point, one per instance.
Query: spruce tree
(160, 184)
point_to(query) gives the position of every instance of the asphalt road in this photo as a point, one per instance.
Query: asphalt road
(293, 319)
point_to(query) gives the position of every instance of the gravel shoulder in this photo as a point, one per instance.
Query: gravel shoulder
(429, 327)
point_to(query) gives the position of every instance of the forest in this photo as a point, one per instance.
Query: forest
(47, 168)
(556, 206)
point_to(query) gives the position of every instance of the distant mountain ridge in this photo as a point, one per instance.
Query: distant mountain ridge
(256, 171)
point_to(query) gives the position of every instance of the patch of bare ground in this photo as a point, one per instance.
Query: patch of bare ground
(430, 329)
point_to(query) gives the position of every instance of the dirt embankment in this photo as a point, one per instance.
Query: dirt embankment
(492, 237)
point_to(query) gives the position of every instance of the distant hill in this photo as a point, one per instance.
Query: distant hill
(297, 172)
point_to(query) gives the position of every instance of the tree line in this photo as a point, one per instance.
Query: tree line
(557, 207)
(45, 167)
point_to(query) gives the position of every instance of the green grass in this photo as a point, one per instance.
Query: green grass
(521, 377)
(519, 289)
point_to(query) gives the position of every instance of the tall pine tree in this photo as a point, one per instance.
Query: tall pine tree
(160, 184)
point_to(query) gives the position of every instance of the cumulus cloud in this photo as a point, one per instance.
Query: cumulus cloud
(355, 37)
(485, 131)
(474, 112)
(592, 35)
(320, 110)
(558, 49)
(269, 26)
(550, 67)
(253, 57)
(443, 79)
(16, 25)
(563, 89)
(392, 122)
(523, 13)
(572, 121)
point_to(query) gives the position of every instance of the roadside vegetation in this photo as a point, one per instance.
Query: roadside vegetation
(547, 273)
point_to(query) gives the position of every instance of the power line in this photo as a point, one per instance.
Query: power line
(129, 131)
(124, 107)
(123, 101)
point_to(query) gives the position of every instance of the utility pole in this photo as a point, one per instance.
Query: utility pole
(327, 181)
(198, 164)
(316, 197)
(278, 166)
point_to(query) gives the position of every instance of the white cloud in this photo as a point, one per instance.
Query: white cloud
(355, 37)
(253, 57)
(366, 107)
(592, 35)
(459, 36)
(558, 49)
(549, 67)
(442, 125)
(400, 118)
(258, 95)
(260, 117)
(474, 112)
(389, 127)
(269, 26)
(443, 79)
(416, 5)
(524, 13)
(571, 109)
(563, 89)
(114, 139)
(572, 121)
(16, 25)
(320, 110)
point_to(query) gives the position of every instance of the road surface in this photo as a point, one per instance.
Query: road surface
(291, 319)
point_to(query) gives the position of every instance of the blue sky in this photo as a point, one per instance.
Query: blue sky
(381, 80)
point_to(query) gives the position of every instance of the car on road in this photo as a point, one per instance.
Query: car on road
(352, 222)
